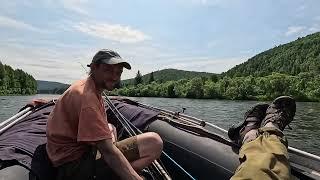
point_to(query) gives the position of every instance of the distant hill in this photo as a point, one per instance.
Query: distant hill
(301, 55)
(170, 75)
(51, 87)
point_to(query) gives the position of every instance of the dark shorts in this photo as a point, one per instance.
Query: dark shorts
(87, 167)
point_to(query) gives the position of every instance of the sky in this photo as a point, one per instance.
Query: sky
(50, 39)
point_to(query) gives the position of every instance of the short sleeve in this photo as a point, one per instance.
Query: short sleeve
(92, 126)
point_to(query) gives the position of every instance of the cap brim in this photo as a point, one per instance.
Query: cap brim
(117, 61)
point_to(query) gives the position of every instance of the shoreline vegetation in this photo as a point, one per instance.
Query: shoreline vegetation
(16, 82)
(303, 87)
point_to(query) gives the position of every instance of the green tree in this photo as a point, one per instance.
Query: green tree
(2, 74)
(195, 88)
(214, 78)
(151, 79)
(138, 79)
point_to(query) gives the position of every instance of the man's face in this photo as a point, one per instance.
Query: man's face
(107, 75)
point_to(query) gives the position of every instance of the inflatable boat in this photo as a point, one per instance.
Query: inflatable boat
(193, 148)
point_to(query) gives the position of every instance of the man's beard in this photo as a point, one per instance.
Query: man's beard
(106, 87)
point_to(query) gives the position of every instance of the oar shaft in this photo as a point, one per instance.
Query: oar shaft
(304, 154)
(10, 124)
(15, 116)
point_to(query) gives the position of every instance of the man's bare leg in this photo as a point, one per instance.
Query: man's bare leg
(150, 147)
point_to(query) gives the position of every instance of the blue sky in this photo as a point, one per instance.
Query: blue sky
(48, 38)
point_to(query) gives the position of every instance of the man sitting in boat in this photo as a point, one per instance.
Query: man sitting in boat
(77, 127)
(264, 153)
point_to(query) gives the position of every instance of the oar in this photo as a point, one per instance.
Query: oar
(15, 116)
(13, 122)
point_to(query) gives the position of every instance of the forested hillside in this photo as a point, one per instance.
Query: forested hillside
(50, 87)
(301, 55)
(169, 75)
(14, 82)
(291, 69)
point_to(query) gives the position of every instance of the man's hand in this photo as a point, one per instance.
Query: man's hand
(116, 160)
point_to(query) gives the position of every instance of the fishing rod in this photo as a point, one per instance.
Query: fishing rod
(140, 132)
(164, 153)
(126, 124)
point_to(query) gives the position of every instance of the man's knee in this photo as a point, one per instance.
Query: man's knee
(156, 140)
(154, 143)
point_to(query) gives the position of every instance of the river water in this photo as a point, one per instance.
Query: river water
(306, 125)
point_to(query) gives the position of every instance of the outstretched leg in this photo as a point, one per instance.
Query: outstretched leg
(264, 153)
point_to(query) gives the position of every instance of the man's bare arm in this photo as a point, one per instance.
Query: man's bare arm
(116, 160)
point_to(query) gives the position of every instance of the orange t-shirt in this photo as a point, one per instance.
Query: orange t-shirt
(77, 120)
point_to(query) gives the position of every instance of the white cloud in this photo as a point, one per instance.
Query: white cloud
(53, 64)
(303, 30)
(76, 6)
(12, 23)
(314, 28)
(292, 30)
(114, 32)
(61, 62)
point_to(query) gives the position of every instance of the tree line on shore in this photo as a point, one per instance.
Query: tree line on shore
(303, 87)
(14, 82)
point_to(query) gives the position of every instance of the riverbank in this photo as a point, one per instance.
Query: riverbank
(17, 94)
(302, 87)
